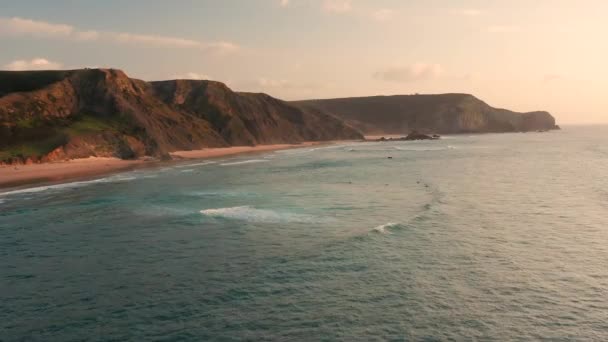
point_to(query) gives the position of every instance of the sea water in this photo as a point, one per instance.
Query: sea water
(472, 237)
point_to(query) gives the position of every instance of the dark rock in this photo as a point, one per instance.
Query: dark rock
(414, 135)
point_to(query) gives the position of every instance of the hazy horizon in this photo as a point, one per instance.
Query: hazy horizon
(515, 55)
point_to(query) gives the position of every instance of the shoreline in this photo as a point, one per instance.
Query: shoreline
(23, 176)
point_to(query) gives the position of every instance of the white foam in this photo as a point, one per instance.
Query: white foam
(385, 228)
(250, 214)
(112, 179)
(422, 149)
(308, 150)
(195, 164)
(295, 151)
(187, 170)
(251, 161)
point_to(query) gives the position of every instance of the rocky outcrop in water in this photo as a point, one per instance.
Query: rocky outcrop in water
(414, 135)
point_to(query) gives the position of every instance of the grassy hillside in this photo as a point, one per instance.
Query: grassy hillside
(55, 115)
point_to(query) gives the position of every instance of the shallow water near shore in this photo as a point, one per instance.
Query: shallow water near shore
(490, 237)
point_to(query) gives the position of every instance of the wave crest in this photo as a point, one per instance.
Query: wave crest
(386, 228)
(111, 179)
(250, 214)
(251, 161)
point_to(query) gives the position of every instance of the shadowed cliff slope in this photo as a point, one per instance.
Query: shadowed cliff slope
(55, 115)
(444, 113)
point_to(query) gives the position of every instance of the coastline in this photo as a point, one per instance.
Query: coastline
(23, 176)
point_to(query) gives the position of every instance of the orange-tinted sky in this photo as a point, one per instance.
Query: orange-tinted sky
(522, 55)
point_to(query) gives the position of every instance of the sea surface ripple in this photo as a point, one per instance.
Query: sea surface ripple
(496, 237)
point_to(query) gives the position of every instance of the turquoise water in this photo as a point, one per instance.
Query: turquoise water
(488, 237)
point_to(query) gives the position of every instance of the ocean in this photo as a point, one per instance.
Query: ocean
(493, 237)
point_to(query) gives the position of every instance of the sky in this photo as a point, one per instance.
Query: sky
(521, 55)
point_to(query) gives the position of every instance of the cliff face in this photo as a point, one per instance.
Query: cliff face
(247, 118)
(445, 113)
(54, 115)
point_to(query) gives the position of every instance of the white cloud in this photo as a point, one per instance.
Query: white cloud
(86, 35)
(470, 12)
(221, 47)
(383, 14)
(26, 27)
(504, 29)
(154, 40)
(409, 73)
(34, 64)
(20, 26)
(192, 76)
(337, 6)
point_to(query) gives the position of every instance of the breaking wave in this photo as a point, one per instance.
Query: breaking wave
(386, 228)
(112, 179)
(251, 161)
(250, 214)
(424, 149)
(196, 164)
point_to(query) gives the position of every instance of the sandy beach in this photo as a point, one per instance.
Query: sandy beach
(20, 175)
(229, 151)
(17, 175)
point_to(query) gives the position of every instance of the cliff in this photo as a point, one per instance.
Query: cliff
(444, 114)
(56, 115)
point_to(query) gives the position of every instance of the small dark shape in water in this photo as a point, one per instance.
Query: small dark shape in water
(414, 135)
(390, 157)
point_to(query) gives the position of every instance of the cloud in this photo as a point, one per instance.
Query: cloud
(284, 3)
(383, 14)
(221, 47)
(337, 6)
(192, 76)
(469, 12)
(154, 40)
(34, 64)
(27, 27)
(19, 26)
(86, 35)
(409, 73)
(504, 29)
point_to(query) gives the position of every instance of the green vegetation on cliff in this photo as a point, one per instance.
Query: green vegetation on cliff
(53, 115)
